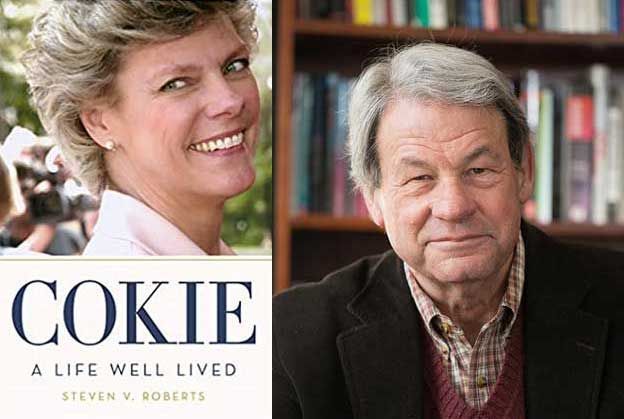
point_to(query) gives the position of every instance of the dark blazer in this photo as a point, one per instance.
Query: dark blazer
(349, 346)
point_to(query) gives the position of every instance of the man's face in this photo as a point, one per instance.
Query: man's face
(450, 196)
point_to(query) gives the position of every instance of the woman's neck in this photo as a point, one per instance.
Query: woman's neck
(196, 217)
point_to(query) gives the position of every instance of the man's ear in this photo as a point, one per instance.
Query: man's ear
(374, 204)
(94, 121)
(527, 174)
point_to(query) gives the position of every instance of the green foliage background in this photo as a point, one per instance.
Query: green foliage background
(248, 217)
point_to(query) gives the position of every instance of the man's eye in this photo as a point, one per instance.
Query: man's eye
(175, 84)
(422, 178)
(236, 66)
(477, 171)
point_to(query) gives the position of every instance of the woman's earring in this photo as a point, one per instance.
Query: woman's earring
(110, 146)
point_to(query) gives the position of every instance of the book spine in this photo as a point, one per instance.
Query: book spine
(349, 11)
(338, 10)
(532, 14)
(400, 13)
(297, 118)
(341, 172)
(504, 8)
(491, 17)
(558, 89)
(333, 120)
(321, 9)
(599, 75)
(421, 16)
(517, 16)
(605, 16)
(473, 14)
(379, 12)
(390, 18)
(363, 12)
(544, 159)
(451, 11)
(548, 21)
(592, 21)
(438, 14)
(302, 127)
(567, 12)
(615, 178)
(532, 99)
(318, 145)
(579, 135)
(460, 12)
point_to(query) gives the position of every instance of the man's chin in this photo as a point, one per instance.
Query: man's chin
(460, 270)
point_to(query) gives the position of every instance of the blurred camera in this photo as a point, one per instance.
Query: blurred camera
(55, 206)
(44, 188)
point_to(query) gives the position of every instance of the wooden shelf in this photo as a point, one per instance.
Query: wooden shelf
(345, 46)
(589, 232)
(331, 29)
(328, 223)
(320, 222)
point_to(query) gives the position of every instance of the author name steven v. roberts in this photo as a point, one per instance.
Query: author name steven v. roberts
(133, 396)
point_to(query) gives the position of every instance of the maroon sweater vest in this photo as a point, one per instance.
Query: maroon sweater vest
(505, 402)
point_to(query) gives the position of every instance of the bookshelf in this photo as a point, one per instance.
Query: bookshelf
(308, 246)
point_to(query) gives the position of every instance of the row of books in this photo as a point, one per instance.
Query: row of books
(320, 182)
(579, 145)
(578, 132)
(578, 16)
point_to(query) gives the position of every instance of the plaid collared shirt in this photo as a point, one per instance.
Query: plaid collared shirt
(473, 370)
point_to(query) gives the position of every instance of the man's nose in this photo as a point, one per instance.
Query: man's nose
(452, 201)
(222, 99)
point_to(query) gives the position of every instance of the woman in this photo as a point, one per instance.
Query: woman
(156, 107)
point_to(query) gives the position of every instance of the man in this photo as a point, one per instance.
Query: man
(474, 313)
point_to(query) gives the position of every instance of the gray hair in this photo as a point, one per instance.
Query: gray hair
(432, 73)
(77, 47)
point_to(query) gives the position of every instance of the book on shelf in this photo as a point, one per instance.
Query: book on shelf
(320, 181)
(579, 137)
(599, 77)
(575, 16)
(544, 162)
(579, 154)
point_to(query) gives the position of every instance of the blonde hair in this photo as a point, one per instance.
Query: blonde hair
(77, 46)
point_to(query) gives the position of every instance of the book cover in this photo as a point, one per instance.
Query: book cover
(158, 304)
(127, 338)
